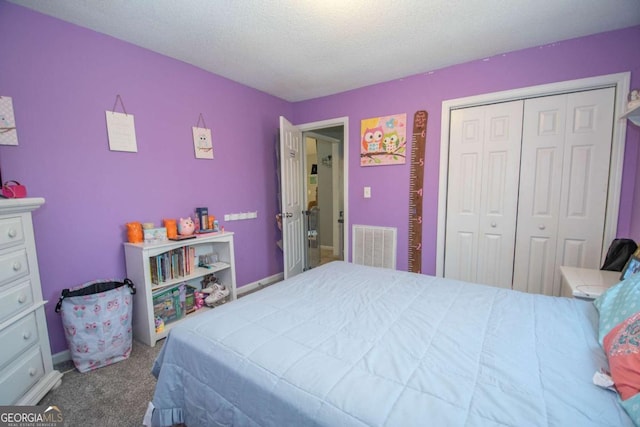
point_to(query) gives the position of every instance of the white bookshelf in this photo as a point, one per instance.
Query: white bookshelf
(138, 255)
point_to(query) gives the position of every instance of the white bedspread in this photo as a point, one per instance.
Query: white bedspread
(347, 345)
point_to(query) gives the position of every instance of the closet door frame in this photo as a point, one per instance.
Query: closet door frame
(621, 83)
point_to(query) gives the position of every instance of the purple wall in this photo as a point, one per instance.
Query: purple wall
(601, 54)
(62, 78)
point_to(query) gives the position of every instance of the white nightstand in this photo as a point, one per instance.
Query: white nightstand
(586, 283)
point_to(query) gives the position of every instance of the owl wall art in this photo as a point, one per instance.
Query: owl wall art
(383, 140)
(202, 143)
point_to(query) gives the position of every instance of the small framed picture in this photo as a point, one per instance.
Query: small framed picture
(632, 267)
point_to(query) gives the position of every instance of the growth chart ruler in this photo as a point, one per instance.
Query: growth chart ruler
(416, 179)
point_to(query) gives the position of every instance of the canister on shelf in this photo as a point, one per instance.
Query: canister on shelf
(134, 232)
(172, 228)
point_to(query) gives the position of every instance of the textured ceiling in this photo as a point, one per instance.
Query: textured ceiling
(302, 49)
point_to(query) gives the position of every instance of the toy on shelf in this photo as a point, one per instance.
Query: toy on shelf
(154, 235)
(199, 299)
(634, 98)
(186, 226)
(159, 324)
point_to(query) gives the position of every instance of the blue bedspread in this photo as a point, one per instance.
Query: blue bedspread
(347, 345)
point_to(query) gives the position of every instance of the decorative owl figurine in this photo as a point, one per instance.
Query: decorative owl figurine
(372, 139)
(186, 227)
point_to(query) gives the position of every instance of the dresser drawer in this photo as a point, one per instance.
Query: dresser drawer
(15, 299)
(17, 338)
(13, 265)
(11, 232)
(19, 376)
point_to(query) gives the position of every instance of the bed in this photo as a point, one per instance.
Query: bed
(348, 345)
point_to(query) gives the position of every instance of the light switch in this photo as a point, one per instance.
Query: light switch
(367, 192)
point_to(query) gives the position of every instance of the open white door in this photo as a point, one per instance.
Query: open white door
(292, 188)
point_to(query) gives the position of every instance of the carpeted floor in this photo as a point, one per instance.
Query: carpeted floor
(116, 395)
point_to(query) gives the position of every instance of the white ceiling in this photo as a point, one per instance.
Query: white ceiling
(303, 49)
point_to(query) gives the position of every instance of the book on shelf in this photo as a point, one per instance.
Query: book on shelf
(171, 265)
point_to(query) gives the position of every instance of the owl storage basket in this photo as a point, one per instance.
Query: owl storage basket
(97, 322)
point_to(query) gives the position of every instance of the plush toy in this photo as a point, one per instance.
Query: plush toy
(634, 99)
(199, 300)
(186, 227)
(159, 324)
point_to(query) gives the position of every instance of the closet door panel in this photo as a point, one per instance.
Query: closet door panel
(482, 195)
(465, 256)
(572, 251)
(463, 198)
(586, 177)
(540, 188)
(499, 199)
(564, 183)
(538, 272)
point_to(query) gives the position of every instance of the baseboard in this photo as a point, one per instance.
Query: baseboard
(260, 283)
(61, 357)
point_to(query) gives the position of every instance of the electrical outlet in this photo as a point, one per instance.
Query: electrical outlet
(367, 192)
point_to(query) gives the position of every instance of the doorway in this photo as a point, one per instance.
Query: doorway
(313, 237)
(324, 201)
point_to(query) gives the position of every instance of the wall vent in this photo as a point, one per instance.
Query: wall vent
(374, 246)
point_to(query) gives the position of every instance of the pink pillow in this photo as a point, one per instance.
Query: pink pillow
(622, 347)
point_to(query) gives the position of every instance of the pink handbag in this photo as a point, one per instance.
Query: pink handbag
(14, 190)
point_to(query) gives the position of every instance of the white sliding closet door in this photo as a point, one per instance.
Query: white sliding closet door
(482, 197)
(566, 150)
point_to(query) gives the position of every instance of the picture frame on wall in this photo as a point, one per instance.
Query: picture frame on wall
(631, 267)
(8, 132)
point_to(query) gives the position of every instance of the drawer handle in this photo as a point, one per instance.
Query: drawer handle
(33, 372)
(13, 232)
(26, 335)
(541, 227)
(22, 298)
(17, 266)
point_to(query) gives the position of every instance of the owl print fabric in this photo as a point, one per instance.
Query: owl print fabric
(98, 327)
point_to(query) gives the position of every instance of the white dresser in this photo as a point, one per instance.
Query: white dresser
(26, 368)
